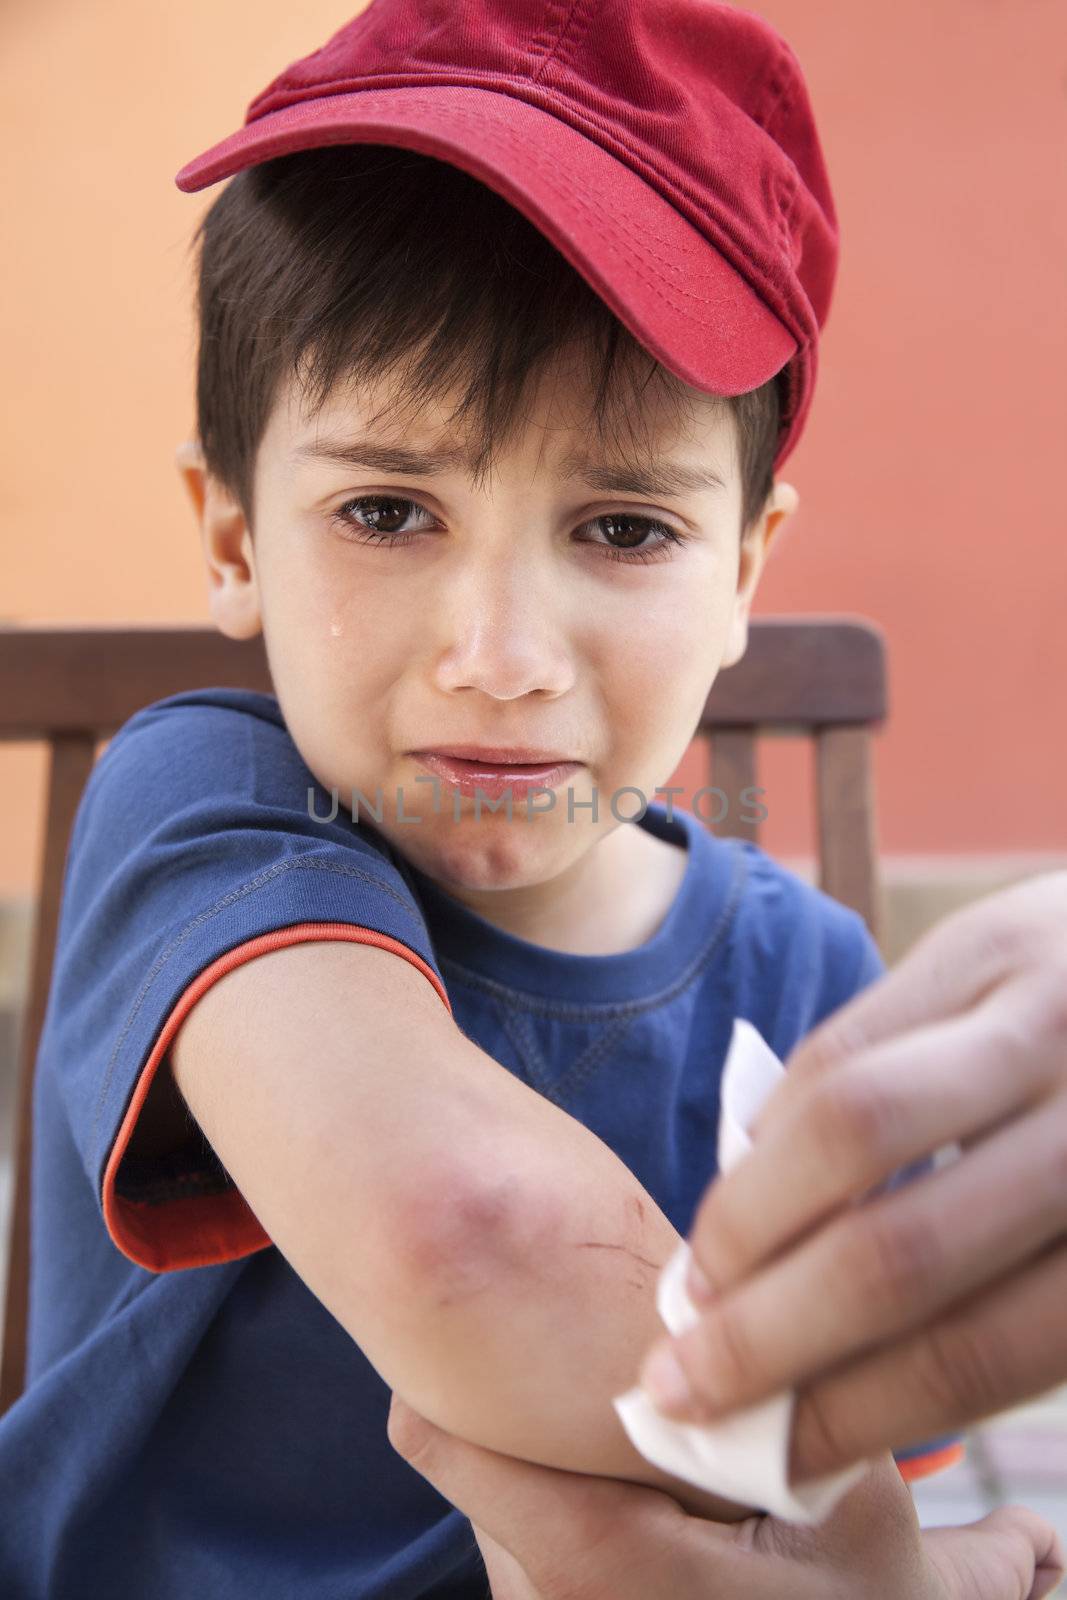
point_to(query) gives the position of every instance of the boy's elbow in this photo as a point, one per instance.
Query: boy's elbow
(467, 1227)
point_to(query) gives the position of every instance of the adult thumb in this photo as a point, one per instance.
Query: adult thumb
(514, 1500)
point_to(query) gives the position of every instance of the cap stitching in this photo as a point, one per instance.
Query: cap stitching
(541, 44)
(780, 78)
(560, 36)
(570, 37)
(785, 195)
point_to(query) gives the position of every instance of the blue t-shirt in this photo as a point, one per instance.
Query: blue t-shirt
(195, 1420)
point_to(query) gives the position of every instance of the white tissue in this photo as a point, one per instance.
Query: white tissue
(744, 1457)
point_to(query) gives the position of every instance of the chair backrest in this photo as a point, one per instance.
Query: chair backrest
(818, 677)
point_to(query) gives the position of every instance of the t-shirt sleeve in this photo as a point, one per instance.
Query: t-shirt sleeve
(202, 840)
(852, 958)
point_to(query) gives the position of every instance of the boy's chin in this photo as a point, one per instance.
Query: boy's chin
(488, 853)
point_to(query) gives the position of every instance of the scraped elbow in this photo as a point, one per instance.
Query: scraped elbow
(464, 1230)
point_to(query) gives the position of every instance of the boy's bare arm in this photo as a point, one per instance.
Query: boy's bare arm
(494, 1260)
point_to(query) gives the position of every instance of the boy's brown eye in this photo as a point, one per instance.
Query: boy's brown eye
(382, 515)
(633, 538)
(637, 545)
(369, 519)
(378, 519)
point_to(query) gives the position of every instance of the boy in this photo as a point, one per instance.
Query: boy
(349, 1081)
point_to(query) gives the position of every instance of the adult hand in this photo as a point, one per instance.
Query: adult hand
(546, 1534)
(925, 1309)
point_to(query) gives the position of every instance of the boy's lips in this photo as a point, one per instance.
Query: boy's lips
(494, 777)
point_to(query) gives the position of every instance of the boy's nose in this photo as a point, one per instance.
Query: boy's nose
(499, 631)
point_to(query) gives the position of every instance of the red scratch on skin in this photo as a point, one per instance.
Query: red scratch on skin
(595, 1244)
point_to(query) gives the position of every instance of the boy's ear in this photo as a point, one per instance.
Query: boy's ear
(233, 595)
(755, 548)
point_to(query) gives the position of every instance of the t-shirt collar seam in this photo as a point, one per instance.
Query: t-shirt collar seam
(576, 1010)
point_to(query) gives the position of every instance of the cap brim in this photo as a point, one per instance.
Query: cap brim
(677, 293)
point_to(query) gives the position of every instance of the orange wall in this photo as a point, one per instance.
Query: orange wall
(931, 498)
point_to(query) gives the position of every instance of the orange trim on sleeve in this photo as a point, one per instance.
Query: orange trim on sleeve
(936, 1461)
(205, 1230)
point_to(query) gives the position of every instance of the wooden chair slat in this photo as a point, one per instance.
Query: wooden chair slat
(77, 678)
(799, 672)
(847, 825)
(69, 768)
(733, 770)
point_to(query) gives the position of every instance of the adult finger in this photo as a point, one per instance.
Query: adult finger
(952, 967)
(891, 1106)
(993, 1351)
(881, 1269)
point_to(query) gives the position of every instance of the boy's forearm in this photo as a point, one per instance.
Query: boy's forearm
(531, 1328)
(491, 1257)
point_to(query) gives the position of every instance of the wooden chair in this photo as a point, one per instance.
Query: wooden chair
(818, 677)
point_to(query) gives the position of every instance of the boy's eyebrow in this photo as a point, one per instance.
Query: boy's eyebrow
(667, 477)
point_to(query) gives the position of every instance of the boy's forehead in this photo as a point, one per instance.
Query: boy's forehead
(695, 431)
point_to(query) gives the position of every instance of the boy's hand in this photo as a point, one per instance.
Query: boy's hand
(918, 1312)
(551, 1535)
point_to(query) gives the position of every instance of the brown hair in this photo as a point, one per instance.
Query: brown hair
(344, 262)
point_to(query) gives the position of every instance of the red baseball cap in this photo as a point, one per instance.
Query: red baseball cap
(667, 148)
